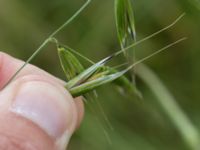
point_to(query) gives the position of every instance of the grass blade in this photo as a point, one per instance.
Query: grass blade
(187, 130)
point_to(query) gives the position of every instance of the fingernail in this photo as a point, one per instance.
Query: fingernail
(46, 106)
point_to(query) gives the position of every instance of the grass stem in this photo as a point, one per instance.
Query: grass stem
(180, 120)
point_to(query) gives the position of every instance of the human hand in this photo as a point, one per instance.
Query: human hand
(36, 111)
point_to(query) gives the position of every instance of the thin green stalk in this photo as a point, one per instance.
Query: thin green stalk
(155, 53)
(180, 120)
(70, 19)
(150, 36)
(48, 39)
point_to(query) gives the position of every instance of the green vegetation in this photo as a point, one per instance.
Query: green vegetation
(160, 122)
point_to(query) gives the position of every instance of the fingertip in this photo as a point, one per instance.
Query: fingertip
(43, 104)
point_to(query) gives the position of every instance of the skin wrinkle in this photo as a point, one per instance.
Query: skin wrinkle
(21, 133)
(8, 142)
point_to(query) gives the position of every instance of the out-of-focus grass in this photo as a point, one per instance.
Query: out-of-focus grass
(137, 125)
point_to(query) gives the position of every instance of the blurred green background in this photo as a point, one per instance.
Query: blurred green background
(136, 125)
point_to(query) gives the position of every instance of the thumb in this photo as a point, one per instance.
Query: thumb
(36, 115)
